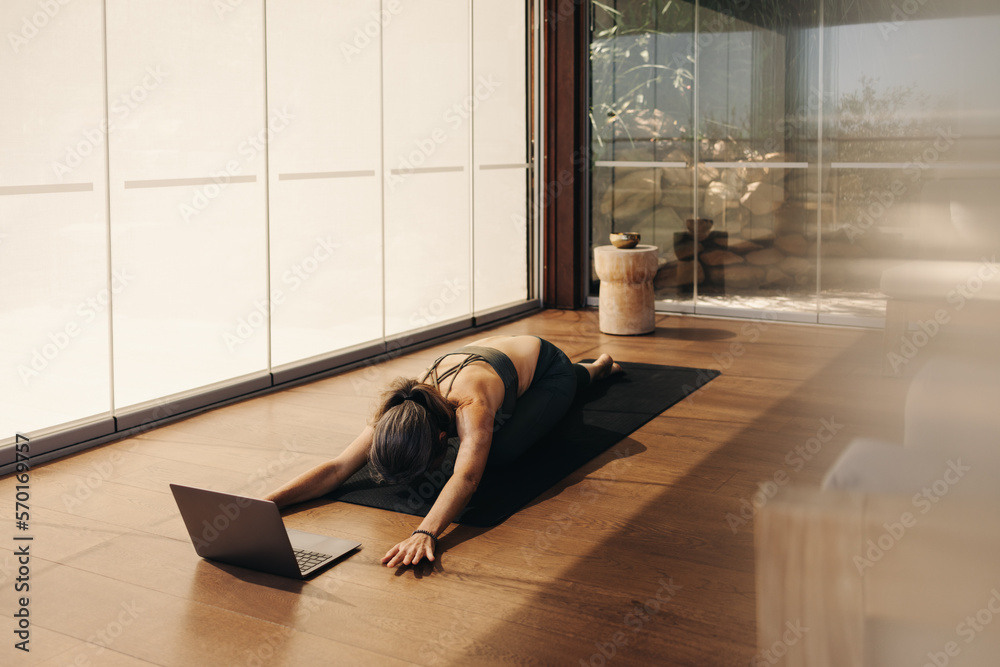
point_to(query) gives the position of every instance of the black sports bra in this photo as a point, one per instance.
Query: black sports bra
(497, 360)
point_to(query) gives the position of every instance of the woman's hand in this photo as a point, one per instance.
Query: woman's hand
(410, 551)
(475, 430)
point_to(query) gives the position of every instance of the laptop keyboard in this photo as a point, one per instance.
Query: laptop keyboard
(308, 559)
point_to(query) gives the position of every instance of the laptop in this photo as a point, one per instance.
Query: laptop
(249, 532)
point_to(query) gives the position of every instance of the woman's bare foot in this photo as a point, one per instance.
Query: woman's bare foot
(603, 367)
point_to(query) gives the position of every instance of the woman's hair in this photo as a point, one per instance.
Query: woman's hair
(408, 425)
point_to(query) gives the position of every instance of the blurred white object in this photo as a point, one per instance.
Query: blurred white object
(951, 422)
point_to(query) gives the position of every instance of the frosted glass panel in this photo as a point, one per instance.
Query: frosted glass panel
(193, 193)
(195, 312)
(427, 112)
(53, 219)
(193, 82)
(328, 79)
(499, 82)
(325, 189)
(501, 257)
(187, 194)
(428, 108)
(427, 252)
(326, 278)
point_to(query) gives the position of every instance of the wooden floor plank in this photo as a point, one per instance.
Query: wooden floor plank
(86, 653)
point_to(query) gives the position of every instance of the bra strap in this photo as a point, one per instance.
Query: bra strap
(436, 379)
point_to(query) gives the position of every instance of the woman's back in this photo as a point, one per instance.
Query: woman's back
(478, 380)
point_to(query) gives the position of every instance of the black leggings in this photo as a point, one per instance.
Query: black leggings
(552, 390)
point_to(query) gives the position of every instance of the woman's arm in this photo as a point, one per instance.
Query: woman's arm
(326, 476)
(475, 432)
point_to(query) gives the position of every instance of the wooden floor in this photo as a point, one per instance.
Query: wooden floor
(573, 579)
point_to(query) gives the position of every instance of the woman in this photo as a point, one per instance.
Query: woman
(499, 395)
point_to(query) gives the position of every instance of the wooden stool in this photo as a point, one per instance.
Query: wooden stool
(626, 297)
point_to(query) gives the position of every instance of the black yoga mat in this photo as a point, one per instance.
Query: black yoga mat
(602, 416)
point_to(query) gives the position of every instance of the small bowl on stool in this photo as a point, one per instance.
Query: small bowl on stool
(624, 240)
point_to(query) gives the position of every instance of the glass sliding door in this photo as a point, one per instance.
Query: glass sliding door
(325, 198)
(642, 128)
(757, 189)
(829, 141)
(914, 136)
(55, 286)
(188, 195)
